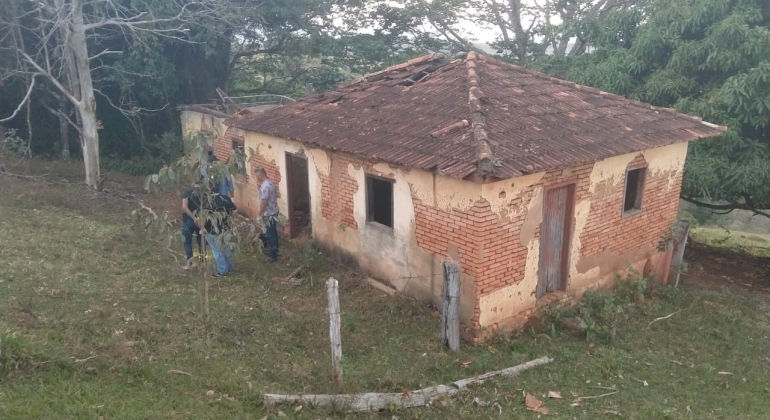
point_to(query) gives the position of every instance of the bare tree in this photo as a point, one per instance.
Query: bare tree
(65, 50)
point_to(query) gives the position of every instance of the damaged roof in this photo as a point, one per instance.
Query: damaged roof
(475, 116)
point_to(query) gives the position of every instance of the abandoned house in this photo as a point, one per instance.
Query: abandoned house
(538, 187)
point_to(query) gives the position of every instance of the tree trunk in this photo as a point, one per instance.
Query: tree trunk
(90, 136)
(521, 36)
(87, 105)
(64, 127)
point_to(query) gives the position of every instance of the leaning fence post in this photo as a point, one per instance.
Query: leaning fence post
(450, 315)
(680, 242)
(334, 329)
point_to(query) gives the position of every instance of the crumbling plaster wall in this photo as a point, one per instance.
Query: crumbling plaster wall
(491, 229)
(602, 242)
(338, 208)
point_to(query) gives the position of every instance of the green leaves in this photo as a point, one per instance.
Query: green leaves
(709, 58)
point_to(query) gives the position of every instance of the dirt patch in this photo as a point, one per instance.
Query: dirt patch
(719, 268)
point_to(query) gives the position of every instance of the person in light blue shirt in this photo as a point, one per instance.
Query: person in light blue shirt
(268, 211)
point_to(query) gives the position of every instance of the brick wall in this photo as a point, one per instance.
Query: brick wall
(246, 185)
(607, 230)
(505, 255)
(339, 188)
(438, 231)
(490, 244)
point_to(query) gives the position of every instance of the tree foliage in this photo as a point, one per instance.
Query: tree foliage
(709, 58)
(194, 168)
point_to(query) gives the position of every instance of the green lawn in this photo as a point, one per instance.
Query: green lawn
(756, 244)
(100, 323)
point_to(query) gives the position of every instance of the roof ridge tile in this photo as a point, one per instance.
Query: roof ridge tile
(484, 159)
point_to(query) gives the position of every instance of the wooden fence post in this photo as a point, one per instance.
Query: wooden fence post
(682, 232)
(334, 329)
(450, 315)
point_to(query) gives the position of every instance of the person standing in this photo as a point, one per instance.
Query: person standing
(225, 186)
(217, 230)
(191, 204)
(268, 212)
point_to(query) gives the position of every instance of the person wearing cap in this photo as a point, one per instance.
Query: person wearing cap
(225, 186)
(268, 211)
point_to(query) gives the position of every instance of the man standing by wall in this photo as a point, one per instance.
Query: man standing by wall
(268, 211)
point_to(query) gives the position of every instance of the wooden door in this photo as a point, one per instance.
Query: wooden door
(555, 233)
(298, 200)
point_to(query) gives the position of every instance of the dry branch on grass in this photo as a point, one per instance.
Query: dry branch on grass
(20, 176)
(292, 278)
(667, 316)
(381, 401)
(179, 372)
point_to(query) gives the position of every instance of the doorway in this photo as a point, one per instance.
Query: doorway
(555, 238)
(297, 183)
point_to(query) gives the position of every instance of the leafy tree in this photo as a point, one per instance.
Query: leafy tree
(709, 58)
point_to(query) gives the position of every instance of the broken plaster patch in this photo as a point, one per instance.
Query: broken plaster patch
(533, 218)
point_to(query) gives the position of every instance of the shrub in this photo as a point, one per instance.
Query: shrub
(599, 311)
(13, 143)
(632, 289)
(137, 165)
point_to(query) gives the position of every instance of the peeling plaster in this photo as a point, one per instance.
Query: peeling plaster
(668, 159)
(513, 299)
(533, 219)
(500, 194)
(606, 176)
(608, 173)
(191, 122)
(394, 255)
(455, 194)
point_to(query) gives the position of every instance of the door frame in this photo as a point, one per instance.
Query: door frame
(568, 229)
(293, 231)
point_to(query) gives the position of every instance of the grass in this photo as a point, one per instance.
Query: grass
(756, 244)
(98, 322)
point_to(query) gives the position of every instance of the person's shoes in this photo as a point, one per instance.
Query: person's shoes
(219, 275)
(271, 260)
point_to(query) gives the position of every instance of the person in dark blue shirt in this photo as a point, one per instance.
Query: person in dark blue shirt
(218, 231)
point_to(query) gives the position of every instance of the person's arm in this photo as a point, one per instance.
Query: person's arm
(262, 206)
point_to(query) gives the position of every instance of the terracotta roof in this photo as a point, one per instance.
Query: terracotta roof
(475, 115)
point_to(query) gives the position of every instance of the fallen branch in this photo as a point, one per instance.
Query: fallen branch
(295, 273)
(151, 211)
(292, 278)
(382, 401)
(179, 372)
(84, 360)
(591, 397)
(665, 317)
(29, 177)
(603, 387)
